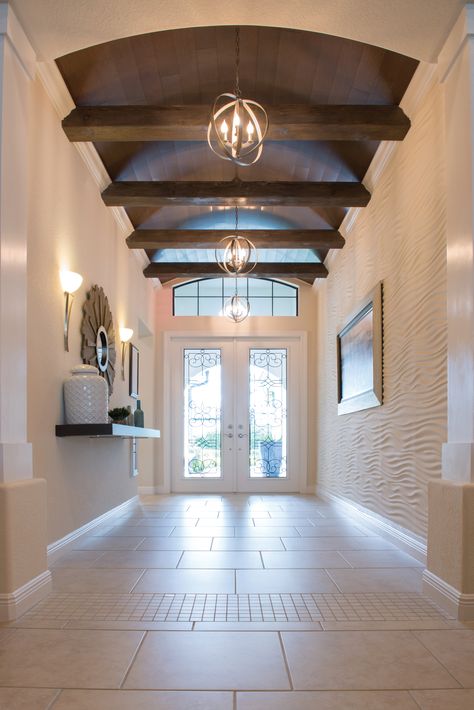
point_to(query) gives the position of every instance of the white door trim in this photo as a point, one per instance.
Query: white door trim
(301, 337)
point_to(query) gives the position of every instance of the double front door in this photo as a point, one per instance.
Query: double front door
(235, 415)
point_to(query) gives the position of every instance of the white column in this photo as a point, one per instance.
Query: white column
(449, 578)
(17, 67)
(456, 64)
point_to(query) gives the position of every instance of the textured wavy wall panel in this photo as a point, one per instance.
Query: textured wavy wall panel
(383, 458)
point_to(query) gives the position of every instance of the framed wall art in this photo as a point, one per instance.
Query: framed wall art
(134, 377)
(359, 356)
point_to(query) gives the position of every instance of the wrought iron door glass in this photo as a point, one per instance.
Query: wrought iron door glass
(268, 412)
(202, 413)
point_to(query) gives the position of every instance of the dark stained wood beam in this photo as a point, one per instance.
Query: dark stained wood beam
(166, 271)
(189, 123)
(210, 238)
(236, 192)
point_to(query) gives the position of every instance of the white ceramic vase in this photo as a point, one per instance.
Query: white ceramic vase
(86, 396)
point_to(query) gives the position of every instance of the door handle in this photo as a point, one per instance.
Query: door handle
(241, 436)
(231, 436)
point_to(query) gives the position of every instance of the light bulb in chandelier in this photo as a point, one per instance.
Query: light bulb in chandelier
(236, 255)
(236, 308)
(238, 126)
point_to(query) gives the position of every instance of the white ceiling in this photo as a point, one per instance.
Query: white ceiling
(416, 28)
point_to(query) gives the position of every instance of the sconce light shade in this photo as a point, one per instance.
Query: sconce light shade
(125, 335)
(70, 281)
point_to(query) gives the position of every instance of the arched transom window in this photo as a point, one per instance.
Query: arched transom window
(206, 297)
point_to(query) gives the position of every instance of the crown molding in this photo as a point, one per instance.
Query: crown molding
(12, 31)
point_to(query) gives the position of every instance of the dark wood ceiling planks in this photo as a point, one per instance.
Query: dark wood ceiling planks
(278, 66)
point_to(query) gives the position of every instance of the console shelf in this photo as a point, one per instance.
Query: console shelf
(109, 431)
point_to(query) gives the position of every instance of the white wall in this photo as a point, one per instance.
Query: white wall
(166, 322)
(383, 458)
(69, 227)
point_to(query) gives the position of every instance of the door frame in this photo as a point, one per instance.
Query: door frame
(300, 337)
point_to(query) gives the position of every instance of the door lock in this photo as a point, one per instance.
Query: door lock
(241, 436)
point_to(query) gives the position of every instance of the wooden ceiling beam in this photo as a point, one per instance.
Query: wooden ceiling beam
(167, 271)
(236, 193)
(210, 238)
(189, 123)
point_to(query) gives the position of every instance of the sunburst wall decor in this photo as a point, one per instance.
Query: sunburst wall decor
(98, 335)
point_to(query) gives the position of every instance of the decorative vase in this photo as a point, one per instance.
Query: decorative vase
(86, 396)
(138, 415)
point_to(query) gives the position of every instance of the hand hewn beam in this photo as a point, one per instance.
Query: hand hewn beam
(166, 271)
(189, 123)
(236, 192)
(210, 238)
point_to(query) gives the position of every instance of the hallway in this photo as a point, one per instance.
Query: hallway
(251, 602)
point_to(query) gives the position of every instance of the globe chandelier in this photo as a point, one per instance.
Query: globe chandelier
(236, 308)
(238, 126)
(236, 255)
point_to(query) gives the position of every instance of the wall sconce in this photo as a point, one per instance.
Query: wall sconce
(70, 281)
(125, 335)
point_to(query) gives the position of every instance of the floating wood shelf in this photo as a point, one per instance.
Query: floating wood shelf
(117, 431)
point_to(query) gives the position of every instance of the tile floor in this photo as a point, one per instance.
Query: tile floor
(235, 603)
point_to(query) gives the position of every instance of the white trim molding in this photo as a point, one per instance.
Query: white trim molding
(14, 604)
(58, 548)
(402, 538)
(12, 30)
(455, 603)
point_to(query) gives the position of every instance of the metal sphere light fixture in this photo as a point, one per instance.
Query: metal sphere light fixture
(236, 255)
(236, 308)
(238, 126)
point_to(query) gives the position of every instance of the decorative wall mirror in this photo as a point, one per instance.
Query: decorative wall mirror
(98, 335)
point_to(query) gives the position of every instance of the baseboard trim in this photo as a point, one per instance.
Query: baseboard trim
(14, 604)
(455, 603)
(55, 549)
(404, 539)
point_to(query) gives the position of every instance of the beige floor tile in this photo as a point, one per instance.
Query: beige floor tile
(330, 531)
(380, 558)
(362, 660)
(278, 522)
(95, 580)
(221, 522)
(455, 650)
(377, 580)
(138, 531)
(221, 560)
(247, 543)
(338, 543)
(265, 531)
(245, 515)
(280, 581)
(176, 543)
(130, 625)
(26, 698)
(444, 699)
(108, 543)
(143, 700)
(166, 522)
(77, 559)
(216, 531)
(67, 659)
(138, 559)
(367, 625)
(205, 660)
(257, 626)
(345, 700)
(187, 581)
(305, 559)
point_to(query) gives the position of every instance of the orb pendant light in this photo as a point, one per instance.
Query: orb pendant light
(236, 308)
(238, 126)
(236, 255)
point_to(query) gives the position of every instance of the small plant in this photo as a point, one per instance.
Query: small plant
(119, 414)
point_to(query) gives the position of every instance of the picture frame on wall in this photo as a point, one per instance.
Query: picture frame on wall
(359, 356)
(134, 374)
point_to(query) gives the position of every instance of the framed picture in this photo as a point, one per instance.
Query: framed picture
(359, 356)
(134, 360)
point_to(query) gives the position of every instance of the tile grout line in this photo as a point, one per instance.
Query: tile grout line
(285, 660)
(460, 685)
(138, 580)
(415, 700)
(132, 661)
(179, 561)
(52, 702)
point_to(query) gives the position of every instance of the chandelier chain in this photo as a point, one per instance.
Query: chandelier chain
(237, 62)
(236, 220)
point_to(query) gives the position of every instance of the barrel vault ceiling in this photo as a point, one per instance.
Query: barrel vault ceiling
(145, 101)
